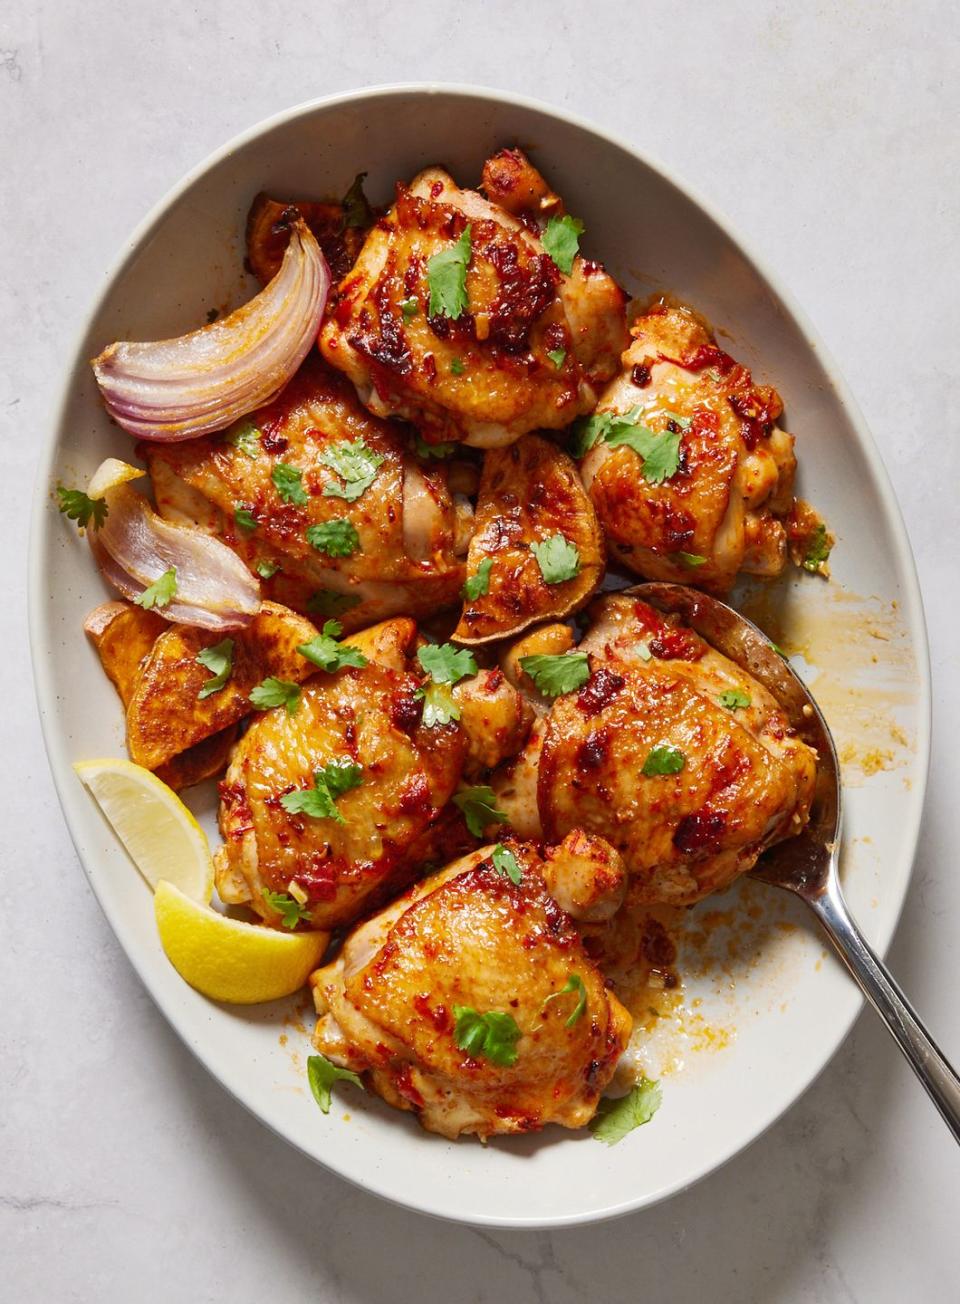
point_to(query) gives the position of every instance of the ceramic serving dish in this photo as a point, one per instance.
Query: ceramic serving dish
(761, 1009)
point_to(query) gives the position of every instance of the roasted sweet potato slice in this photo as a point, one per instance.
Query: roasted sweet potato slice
(529, 493)
(167, 715)
(268, 230)
(124, 636)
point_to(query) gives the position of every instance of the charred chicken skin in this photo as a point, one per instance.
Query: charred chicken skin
(472, 1001)
(720, 508)
(361, 727)
(671, 752)
(320, 498)
(516, 345)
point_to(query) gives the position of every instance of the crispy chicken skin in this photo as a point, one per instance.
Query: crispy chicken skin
(484, 378)
(413, 531)
(469, 937)
(746, 780)
(726, 502)
(371, 717)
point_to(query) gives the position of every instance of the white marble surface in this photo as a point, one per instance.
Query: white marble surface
(823, 130)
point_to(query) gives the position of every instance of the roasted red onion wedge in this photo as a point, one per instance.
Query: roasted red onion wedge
(134, 548)
(201, 382)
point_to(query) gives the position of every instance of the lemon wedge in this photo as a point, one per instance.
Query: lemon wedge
(229, 960)
(160, 835)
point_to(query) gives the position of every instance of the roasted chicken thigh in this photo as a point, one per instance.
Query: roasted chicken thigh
(325, 502)
(471, 999)
(676, 756)
(713, 505)
(457, 318)
(335, 849)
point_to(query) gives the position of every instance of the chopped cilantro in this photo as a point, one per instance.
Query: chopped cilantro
(324, 650)
(438, 705)
(691, 559)
(289, 484)
(272, 692)
(79, 507)
(446, 664)
(492, 1036)
(558, 559)
(660, 452)
(734, 700)
(355, 463)
(266, 569)
(664, 759)
(160, 593)
(573, 984)
(478, 584)
(219, 661)
(423, 449)
(329, 783)
(557, 356)
(505, 863)
(561, 240)
(337, 538)
(818, 550)
(246, 437)
(356, 209)
(322, 1074)
(614, 1119)
(409, 308)
(554, 675)
(479, 806)
(447, 279)
(284, 904)
(245, 519)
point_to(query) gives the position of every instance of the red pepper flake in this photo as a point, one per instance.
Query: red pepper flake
(600, 689)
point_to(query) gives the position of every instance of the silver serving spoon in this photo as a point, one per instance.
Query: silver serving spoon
(807, 864)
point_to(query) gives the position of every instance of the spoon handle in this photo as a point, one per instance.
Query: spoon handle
(926, 1059)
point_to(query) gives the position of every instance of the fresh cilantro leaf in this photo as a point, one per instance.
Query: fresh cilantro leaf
(327, 603)
(160, 593)
(478, 584)
(588, 430)
(329, 783)
(246, 437)
(660, 452)
(615, 1118)
(691, 559)
(438, 705)
(289, 484)
(664, 759)
(683, 422)
(356, 209)
(79, 507)
(276, 692)
(337, 538)
(505, 862)
(557, 356)
(409, 308)
(561, 240)
(733, 699)
(324, 650)
(818, 550)
(457, 367)
(558, 559)
(219, 661)
(573, 984)
(479, 806)
(447, 279)
(284, 904)
(356, 463)
(446, 664)
(554, 675)
(245, 519)
(423, 449)
(492, 1036)
(322, 1074)
(266, 569)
